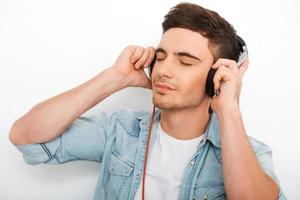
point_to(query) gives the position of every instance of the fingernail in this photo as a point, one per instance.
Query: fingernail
(217, 92)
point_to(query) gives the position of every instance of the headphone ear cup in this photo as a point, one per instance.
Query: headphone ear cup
(150, 68)
(210, 82)
(211, 74)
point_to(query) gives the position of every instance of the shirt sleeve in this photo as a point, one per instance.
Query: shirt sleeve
(265, 161)
(84, 139)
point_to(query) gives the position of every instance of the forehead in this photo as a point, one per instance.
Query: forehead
(180, 39)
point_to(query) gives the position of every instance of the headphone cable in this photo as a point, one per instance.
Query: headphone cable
(146, 156)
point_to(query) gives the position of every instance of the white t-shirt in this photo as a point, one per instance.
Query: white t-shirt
(166, 166)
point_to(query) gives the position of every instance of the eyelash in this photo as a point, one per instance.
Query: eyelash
(185, 64)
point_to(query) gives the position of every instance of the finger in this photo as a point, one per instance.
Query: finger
(138, 52)
(150, 57)
(243, 68)
(143, 59)
(231, 64)
(223, 74)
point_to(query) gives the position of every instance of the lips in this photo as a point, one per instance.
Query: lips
(164, 86)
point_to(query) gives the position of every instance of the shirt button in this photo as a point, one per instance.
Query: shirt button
(137, 177)
(192, 162)
(144, 142)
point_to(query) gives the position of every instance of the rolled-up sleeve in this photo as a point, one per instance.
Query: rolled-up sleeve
(84, 139)
(266, 162)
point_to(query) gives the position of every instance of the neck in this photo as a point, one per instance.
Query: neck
(185, 124)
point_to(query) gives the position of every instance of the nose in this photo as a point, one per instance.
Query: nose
(164, 68)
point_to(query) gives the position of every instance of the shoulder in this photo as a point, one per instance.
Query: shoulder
(129, 119)
(258, 146)
(130, 115)
(123, 115)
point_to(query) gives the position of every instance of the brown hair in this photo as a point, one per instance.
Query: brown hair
(221, 35)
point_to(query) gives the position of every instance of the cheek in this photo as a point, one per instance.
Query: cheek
(194, 83)
(153, 76)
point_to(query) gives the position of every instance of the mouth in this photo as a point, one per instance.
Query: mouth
(162, 87)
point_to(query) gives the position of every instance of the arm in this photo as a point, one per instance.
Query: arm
(244, 177)
(50, 118)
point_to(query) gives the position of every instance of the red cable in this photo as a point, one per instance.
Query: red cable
(146, 156)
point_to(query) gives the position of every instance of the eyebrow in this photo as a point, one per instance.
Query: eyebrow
(181, 53)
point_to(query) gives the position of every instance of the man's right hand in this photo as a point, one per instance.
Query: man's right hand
(131, 63)
(60, 111)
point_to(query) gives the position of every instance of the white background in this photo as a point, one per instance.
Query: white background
(47, 47)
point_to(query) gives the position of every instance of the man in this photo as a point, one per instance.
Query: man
(193, 153)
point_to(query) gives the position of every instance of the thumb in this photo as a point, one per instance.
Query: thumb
(147, 83)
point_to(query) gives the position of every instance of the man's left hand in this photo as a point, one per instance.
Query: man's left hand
(227, 82)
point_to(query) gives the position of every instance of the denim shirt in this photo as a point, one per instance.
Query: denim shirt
(118, 141)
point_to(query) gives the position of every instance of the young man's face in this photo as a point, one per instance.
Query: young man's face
(187, 82)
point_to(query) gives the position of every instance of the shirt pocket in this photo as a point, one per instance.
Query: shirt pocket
(120, 171)
(210, 193)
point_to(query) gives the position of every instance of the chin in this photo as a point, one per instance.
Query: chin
(166, 102)
(162, 102)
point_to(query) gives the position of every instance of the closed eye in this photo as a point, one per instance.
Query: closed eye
(186, 64)
(183, 63)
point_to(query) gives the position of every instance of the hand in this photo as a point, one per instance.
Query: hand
(227, 82)
(131, 63)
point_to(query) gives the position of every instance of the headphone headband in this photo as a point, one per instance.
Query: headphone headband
(243, 51)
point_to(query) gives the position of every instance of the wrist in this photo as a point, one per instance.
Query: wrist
(113, 80)
(227, 109)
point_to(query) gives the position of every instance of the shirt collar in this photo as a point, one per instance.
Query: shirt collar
(212, 131)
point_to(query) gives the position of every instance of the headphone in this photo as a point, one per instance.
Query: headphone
(210, 76)
(209, 91)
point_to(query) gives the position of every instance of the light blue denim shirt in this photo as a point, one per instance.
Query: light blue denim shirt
(118, 141)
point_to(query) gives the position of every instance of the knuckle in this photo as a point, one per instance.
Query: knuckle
(222, 68)
(131, 46)
(141, 49)
(216, 77)
(219, 60)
